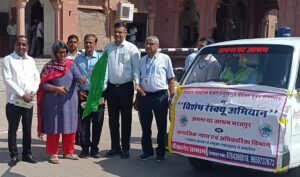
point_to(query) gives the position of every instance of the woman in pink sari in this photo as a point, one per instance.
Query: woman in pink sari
(58, 102)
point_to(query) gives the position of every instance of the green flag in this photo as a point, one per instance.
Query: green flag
(96, 86)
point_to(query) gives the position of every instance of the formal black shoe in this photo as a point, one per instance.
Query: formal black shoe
(124, 155)
(96, 155)
(13, 161)
(83, 154)
(29, 159)
(145, 156)
(112, 153)
(160, 159)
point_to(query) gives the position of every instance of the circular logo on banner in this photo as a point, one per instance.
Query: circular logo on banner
(183, 120)
(174, 146)
(219, 130)
(265, 130)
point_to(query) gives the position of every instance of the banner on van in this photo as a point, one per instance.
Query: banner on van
(230, 124)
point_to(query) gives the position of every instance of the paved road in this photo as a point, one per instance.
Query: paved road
(175, 165)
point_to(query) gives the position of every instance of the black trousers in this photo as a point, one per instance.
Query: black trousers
(156, 103)
(119, 100)
(96, 119)
(13, 115)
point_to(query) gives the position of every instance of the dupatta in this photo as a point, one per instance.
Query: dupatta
(53, 69)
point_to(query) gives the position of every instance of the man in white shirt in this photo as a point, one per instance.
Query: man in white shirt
(123, 73)
(21, 79)
(12, 34)
(72, 43)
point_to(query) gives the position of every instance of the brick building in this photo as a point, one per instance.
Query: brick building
(177, 23)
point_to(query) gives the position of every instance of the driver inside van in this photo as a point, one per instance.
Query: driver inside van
(239, 73)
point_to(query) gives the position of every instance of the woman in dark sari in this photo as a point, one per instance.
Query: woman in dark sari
(58, 102)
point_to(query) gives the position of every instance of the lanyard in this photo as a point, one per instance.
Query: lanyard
(149, 65)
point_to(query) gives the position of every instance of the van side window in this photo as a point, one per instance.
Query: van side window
(276, 77)
(298, 80)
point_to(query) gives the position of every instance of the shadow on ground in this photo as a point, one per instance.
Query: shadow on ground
(38, 150)
(179, 167)
(8, 173)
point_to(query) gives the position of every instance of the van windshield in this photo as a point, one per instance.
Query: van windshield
(267, 65)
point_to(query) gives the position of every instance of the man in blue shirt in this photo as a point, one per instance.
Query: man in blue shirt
(157, 86)
(201, 43)
(85, 63)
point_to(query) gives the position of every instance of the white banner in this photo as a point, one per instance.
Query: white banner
(229, 124)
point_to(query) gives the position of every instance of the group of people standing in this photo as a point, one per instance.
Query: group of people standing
(64, 86)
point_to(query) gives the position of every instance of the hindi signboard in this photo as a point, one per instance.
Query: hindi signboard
(228, 124)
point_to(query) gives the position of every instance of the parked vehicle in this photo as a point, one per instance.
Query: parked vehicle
(247, 117)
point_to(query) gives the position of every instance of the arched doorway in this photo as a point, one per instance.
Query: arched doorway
(268, 19)
(190, 20)
(37, 11)
(34, 14)
(231, 21)
(237, 19)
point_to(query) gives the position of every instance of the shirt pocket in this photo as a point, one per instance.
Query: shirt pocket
(122, 57)
(160, 70)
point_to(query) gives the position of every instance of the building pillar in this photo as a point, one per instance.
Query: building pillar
(20, 5)
(57, 6)
(110, 19)
(151, 23)
(178, 23)
(69, 18)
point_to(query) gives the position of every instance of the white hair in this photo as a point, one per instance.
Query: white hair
(153, 38)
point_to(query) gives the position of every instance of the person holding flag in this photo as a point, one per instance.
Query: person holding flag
(57, 102)
(93, 66)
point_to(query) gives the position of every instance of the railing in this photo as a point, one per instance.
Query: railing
(177, 56)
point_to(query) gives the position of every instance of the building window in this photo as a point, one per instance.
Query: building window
(91, 2)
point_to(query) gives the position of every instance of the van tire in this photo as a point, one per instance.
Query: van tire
(199, 163)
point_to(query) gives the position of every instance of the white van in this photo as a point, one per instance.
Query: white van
(249, 114)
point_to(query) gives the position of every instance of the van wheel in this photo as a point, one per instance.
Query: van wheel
(199, 163)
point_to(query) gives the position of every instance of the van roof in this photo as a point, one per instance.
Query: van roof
(290, 41)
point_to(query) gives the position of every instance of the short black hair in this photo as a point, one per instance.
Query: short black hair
(73, 36)
(58, 45)
(21, 36)
(120, 25)
(208, 40)
(89, 36)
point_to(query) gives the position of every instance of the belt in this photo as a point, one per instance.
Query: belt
(156, 93)
(120, 85)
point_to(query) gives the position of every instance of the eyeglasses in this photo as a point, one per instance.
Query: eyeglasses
(62, 52)
(149, 43)
(119, 32)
